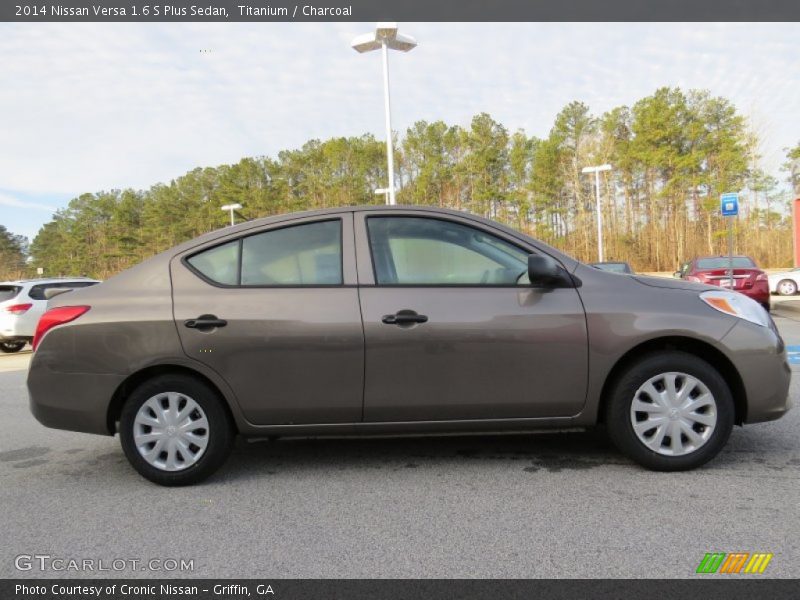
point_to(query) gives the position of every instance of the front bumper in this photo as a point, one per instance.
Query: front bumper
(759, 355)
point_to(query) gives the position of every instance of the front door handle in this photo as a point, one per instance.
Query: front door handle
(404, 317)
(205, 322)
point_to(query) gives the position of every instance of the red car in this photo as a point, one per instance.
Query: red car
(714, 270)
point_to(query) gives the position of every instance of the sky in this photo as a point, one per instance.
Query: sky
(96, 106)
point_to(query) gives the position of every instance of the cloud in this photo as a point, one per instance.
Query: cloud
(91, 106)
(6, 200)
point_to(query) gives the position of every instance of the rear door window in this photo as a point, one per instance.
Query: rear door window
(7, 292)
(37, 291)
(309, 254)
(297, 255)
(219, 264)
(77, 284)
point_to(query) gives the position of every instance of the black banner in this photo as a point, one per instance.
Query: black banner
(733, 588)
(399, 10)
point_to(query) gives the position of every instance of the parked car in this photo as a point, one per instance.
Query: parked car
(397, 320)
(748, 279)
(785, 283)
(23, 302)
(613, 267)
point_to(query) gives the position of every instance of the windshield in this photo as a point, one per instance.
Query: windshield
(723, 262)
(7, 292)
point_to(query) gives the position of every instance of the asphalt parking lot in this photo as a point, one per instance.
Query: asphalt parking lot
(545, 505)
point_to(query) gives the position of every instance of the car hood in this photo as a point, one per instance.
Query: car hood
(673, 283)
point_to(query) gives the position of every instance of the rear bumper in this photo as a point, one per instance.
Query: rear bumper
(759, 356)
(80, 405)
(760, 293)
(13, 327)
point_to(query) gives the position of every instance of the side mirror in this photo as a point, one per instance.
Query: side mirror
(545, 271)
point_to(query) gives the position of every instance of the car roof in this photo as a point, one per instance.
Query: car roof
(45, 280)
(723, 256)
(223, 232)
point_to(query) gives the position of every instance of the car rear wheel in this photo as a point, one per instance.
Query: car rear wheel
(670, 411)
(787, 287)
(9, 347)
(175, 431)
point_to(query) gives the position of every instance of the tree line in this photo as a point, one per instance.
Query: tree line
(673, 153)
(13, 251)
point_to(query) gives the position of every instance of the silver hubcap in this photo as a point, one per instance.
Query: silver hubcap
(787, 288)
(673, 414)
(171, 431)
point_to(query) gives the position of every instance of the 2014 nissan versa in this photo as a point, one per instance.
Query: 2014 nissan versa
(381, 320)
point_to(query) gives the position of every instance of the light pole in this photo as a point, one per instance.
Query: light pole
(596, 170)
(232, 208)
(385, 38)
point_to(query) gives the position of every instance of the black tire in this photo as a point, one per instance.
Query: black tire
(786, 287)
(221, 430)
(618, 410)
(10, 347)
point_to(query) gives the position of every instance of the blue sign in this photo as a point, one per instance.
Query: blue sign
(729, 204)
(793, 354)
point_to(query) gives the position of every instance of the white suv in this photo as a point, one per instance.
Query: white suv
(23, 302)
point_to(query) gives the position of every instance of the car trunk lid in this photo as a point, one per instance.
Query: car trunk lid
(743, 279)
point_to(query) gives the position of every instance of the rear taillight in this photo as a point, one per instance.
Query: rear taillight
(18, 309)
(54, 317)
(761, 277)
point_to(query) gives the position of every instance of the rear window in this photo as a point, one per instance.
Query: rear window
(723, 262)
(7, 292)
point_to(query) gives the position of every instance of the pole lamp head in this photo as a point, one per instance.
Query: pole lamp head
(385, 33)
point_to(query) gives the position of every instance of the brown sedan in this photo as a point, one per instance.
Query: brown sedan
(397, 320)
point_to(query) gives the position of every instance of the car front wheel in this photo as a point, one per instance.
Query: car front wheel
(175, 431)
(9, 347)
(670, 411)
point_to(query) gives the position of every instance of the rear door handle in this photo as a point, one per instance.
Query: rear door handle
(404, 317)
(205, 322)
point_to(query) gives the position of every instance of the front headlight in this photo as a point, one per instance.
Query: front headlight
(736, 304)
